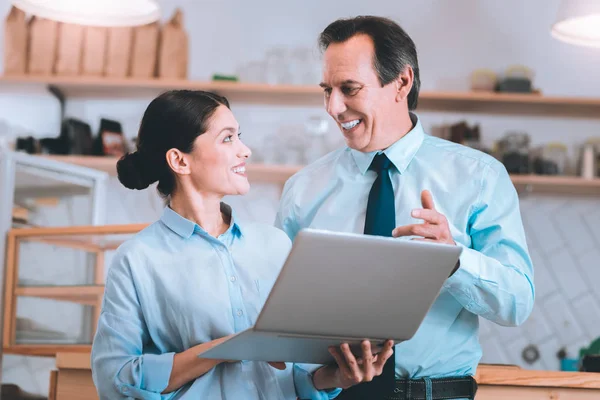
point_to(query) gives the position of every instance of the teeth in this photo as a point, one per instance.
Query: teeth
(351, 124)
(239, 170)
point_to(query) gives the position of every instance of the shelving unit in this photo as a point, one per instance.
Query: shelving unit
(479, 102)
(92, 239)
(278, 174)
(25, 179)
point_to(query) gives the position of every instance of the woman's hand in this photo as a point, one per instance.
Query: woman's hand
(205, 346)
(187, 366)
(350, 370)
(277, 365)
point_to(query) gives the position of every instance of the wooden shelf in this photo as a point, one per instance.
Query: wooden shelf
(94, 239)
(510, 104)
(278, 174)
(572, 185)
(87, 295)
(46, 350)
(82, 243)
(31, 233)
(478, 102)
(72, 243)
(74, 87)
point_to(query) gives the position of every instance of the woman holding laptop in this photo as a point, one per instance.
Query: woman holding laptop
(198, 274)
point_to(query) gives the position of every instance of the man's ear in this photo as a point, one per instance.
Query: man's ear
(404, 83)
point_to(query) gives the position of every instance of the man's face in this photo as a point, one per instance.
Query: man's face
(364, 111)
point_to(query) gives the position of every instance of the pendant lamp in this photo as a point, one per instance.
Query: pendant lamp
(93, 12)
(578, 22)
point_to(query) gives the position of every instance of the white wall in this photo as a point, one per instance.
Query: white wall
(453, 38)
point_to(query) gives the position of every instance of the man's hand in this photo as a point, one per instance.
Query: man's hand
(349, 370)
(434, 229)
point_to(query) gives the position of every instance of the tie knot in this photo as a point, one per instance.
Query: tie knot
(380, 163)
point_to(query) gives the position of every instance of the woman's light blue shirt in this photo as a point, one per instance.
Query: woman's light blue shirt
(173, 286)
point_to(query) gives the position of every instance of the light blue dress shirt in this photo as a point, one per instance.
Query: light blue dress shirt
(173, 286)
(475, 193)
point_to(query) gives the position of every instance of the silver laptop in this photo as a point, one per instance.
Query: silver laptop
(343, 287)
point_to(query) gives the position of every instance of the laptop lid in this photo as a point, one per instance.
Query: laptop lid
(346, 285)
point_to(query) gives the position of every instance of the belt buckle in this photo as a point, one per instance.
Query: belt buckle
(399, 391)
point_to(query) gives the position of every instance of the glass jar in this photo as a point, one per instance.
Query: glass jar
(316, 128)
(515, 153)
(556, 155)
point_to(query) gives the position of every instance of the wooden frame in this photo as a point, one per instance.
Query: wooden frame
(53, 385)
(90, 295)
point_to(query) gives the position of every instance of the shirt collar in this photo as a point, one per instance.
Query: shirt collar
(185, 228)
(400, 153)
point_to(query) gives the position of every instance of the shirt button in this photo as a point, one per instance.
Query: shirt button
(240, 313)
(232, 278)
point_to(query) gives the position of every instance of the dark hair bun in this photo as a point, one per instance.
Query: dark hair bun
(136, 172)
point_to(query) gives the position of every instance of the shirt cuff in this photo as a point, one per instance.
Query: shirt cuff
(156, 369)
(465, 276)
(305, 389)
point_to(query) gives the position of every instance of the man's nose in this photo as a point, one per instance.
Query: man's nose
(335, 104)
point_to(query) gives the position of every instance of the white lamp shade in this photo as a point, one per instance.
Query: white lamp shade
(93, 12)
(578, 22)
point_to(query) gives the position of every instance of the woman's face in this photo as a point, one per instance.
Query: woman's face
(218, 160)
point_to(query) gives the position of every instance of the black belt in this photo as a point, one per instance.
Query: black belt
(463, 387)
(443, 388)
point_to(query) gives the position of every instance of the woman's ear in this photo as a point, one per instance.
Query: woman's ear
(404, 83)
(178, 162)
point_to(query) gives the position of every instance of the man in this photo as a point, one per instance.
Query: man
(393, 179)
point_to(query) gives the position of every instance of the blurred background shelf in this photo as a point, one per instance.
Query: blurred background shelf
(485, 102)
(83, 294)
(46, 350)
(278, 174)
(571, 185)
(83, 242)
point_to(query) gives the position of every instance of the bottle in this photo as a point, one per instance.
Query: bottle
(587, 161)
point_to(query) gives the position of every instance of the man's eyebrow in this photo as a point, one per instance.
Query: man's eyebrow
(346, 82)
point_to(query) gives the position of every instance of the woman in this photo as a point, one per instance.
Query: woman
(198, 274)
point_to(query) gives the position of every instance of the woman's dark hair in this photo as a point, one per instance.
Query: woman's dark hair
(394, 49)
(172, 120)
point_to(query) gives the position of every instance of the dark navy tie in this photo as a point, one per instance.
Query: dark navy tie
(380, 220)
(381, 212)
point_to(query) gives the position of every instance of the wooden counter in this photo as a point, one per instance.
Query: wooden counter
(500, 382)
(73, 381)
